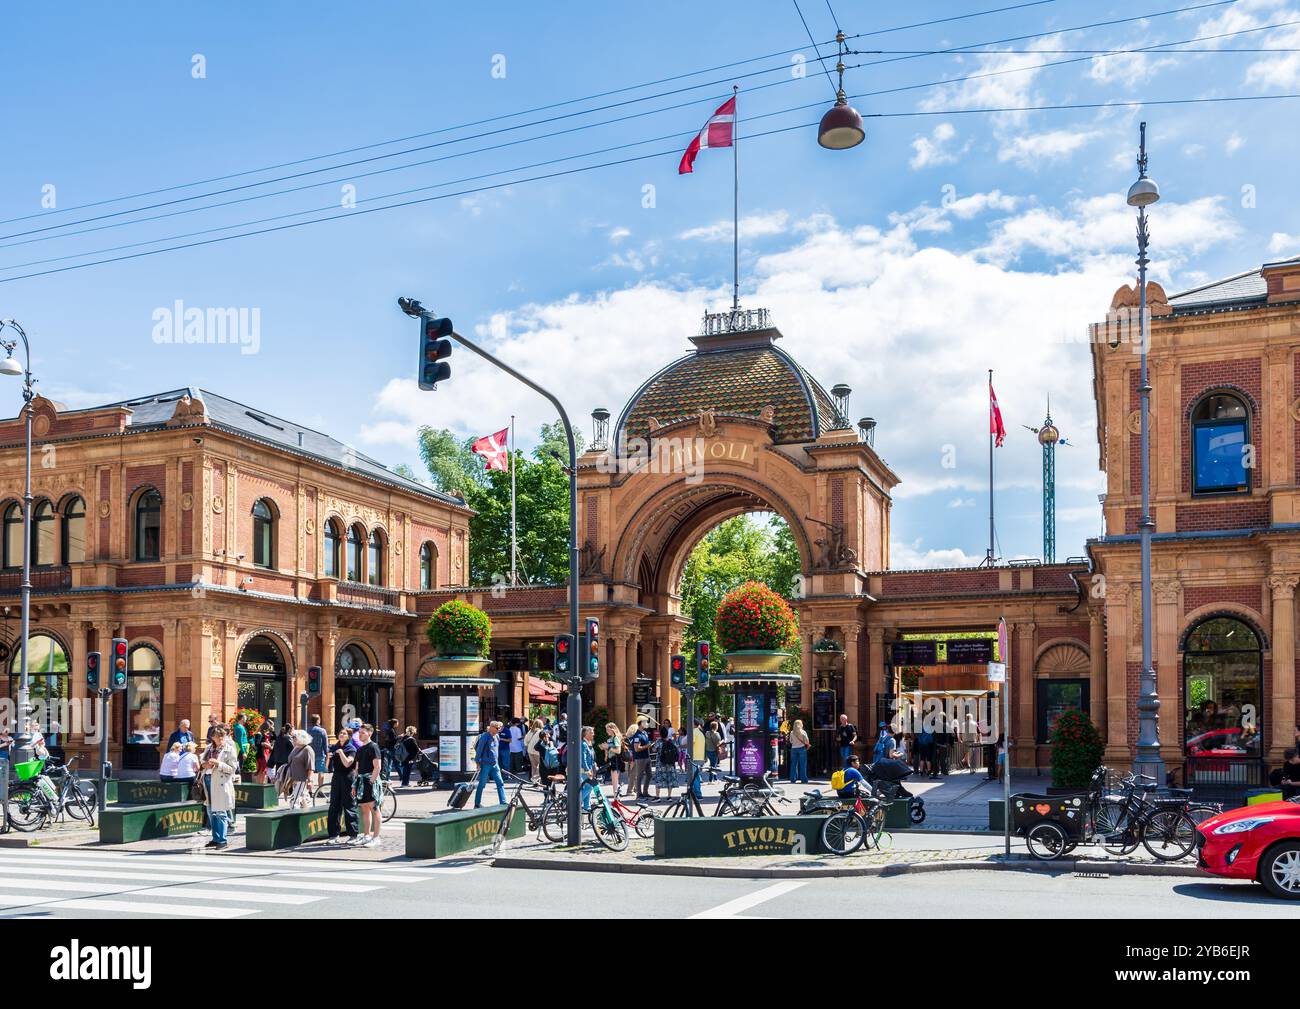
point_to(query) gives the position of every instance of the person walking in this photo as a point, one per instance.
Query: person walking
(220, 764)
(712, 747)
(799, 745)
(262, 743)
(487, 755)
(388, 738)
(516, 733)
(280, 751)
(641, 770)
(587, 764)
(845, 736)
(342, 818)
(530, 749)
(241, 735)
(213, 721)
(370, 784)
(408, 752)
(298, 770)
(181, 734)
(320, 742)
(615, 755)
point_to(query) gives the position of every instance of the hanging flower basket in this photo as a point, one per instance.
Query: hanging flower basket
(753, 660)
(755, 629)
(461, 635)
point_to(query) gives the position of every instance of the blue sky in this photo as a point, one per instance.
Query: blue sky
(948, 243)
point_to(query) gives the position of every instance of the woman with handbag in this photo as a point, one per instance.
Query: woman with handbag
(220, 765)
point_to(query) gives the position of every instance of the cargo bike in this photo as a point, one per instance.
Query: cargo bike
(1054, 825)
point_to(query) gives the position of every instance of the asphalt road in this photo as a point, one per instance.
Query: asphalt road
(83, 884)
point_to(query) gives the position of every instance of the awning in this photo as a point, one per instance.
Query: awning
(541, 692)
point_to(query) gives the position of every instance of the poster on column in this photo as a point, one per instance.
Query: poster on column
(749, 758)
(449, 713)
(471, 713)
(449, 753)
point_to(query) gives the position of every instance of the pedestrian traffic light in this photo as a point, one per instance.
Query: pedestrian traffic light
(117, 675)
(435, 348)
(313, 681)
(564, 656)
(92, 670)
(592, 671)
(702, 649)
(677, 671)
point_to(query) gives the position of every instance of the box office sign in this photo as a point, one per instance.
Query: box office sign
(951, 651)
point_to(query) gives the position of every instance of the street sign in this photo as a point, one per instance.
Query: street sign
(641, 691)
(997, 672)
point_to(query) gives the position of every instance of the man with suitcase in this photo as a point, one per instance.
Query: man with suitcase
(486, 756)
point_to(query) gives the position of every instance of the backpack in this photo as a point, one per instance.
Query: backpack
(668, 752)
(837, 780)
(551, 759)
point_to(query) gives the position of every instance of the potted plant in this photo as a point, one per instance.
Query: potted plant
(827, 655)
(1076, 750)
(755, 628)
(460, 635)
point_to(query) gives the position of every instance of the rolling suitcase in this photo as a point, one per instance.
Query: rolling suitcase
(461, 793)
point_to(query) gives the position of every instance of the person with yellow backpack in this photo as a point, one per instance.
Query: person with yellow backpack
(845, 782)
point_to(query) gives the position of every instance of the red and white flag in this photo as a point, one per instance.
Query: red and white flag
(493, 448)
(719, 131)
(996, 427)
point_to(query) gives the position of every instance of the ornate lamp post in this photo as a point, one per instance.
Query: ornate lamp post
(23, 737)
(1142, 194)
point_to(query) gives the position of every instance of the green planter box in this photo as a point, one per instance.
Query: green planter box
(124, 824)
(897, 816)
(252, 795)
(729, 836)
(112, 787)
(146, 793)
(457, 830)
(285, 828)
(997, 815)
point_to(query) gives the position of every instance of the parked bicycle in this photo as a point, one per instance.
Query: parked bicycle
(387, 805)
(749, 798)
(47, 795)
(853, 821)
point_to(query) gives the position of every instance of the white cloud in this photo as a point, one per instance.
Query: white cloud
(751, 226)
(1032, 149)
(905, 556)
(935, 219)
(618, 234)
(1127, 68)
(1233, 144)
(996, 80)
(934, 150)
(1282, 244)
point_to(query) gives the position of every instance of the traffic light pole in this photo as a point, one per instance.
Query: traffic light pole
(574, 762)
(105, 768)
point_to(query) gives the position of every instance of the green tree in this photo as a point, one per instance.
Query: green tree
(453, 468)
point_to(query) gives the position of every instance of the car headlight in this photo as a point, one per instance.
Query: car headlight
(1241, 826)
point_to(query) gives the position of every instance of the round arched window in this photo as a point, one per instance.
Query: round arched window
(1223, 680)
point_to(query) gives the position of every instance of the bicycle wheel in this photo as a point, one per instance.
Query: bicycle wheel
(1114, 828)
(28, 808)
(609, 828)
(388, 808)
(645, 822)
(875, 821)
(751, 801)
(1199, 814)
(1169, 835)
(844, 832)
(1046, 841)
(77, 806)
(555, 821)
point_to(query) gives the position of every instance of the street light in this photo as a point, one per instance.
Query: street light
(1142, 194)
(841, 127)
(23, 737)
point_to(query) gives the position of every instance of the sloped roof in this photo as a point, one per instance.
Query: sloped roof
(154, 411)
(1243, 290)
(740, 381)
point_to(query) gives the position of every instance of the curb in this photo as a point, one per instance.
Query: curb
(893, 869)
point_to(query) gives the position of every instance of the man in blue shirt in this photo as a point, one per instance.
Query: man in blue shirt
(885, 745)
(182, 735)
(852, 776)
(587, 764)
(320, 741)
(485, 754)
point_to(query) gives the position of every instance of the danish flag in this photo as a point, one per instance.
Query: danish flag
(492, 447)
(719, 131)
(995, 418)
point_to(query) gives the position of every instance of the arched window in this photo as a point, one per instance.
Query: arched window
(148, 526)
(1223, 680)
(1220, 434)
(144, 688)
(73, 545)
(13, 536)
(376, 569)
(330, 567)
(48, 685)
(428, 565)
(42, 534)
(263, 534)
(356, 537)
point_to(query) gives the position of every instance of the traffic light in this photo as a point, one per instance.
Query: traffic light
(117, 675)
(592, 672)
(702, 663)
(564, 656)
(313, 681)
(435, 348)
(92, 670)
(677, 671)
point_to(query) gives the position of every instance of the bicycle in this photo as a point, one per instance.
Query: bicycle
(859, 821)
(1162, 825)
(639, 817)
(608, 826)
(38, 801)
(387, 804)
(748, 799)
(688, 803)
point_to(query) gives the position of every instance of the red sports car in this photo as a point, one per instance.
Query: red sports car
(1254, 842)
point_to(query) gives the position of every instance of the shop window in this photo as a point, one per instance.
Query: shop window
(42, 534)
(1222, 680)
(1053, 698)
(148, 526)
(1220, 437)
(73, 545)
(333, 548)
(375, 570)
(47, 676)
(144, 685)
(356, 536)
(263, 535)
(428, 565)
(13, 536)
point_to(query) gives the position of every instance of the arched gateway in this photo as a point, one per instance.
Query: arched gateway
(734, 426)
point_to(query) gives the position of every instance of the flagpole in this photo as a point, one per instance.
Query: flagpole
(514, 575)
(735, 200)
(991, 427)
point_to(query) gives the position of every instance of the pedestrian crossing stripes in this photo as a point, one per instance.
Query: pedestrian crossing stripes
(74, 883)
